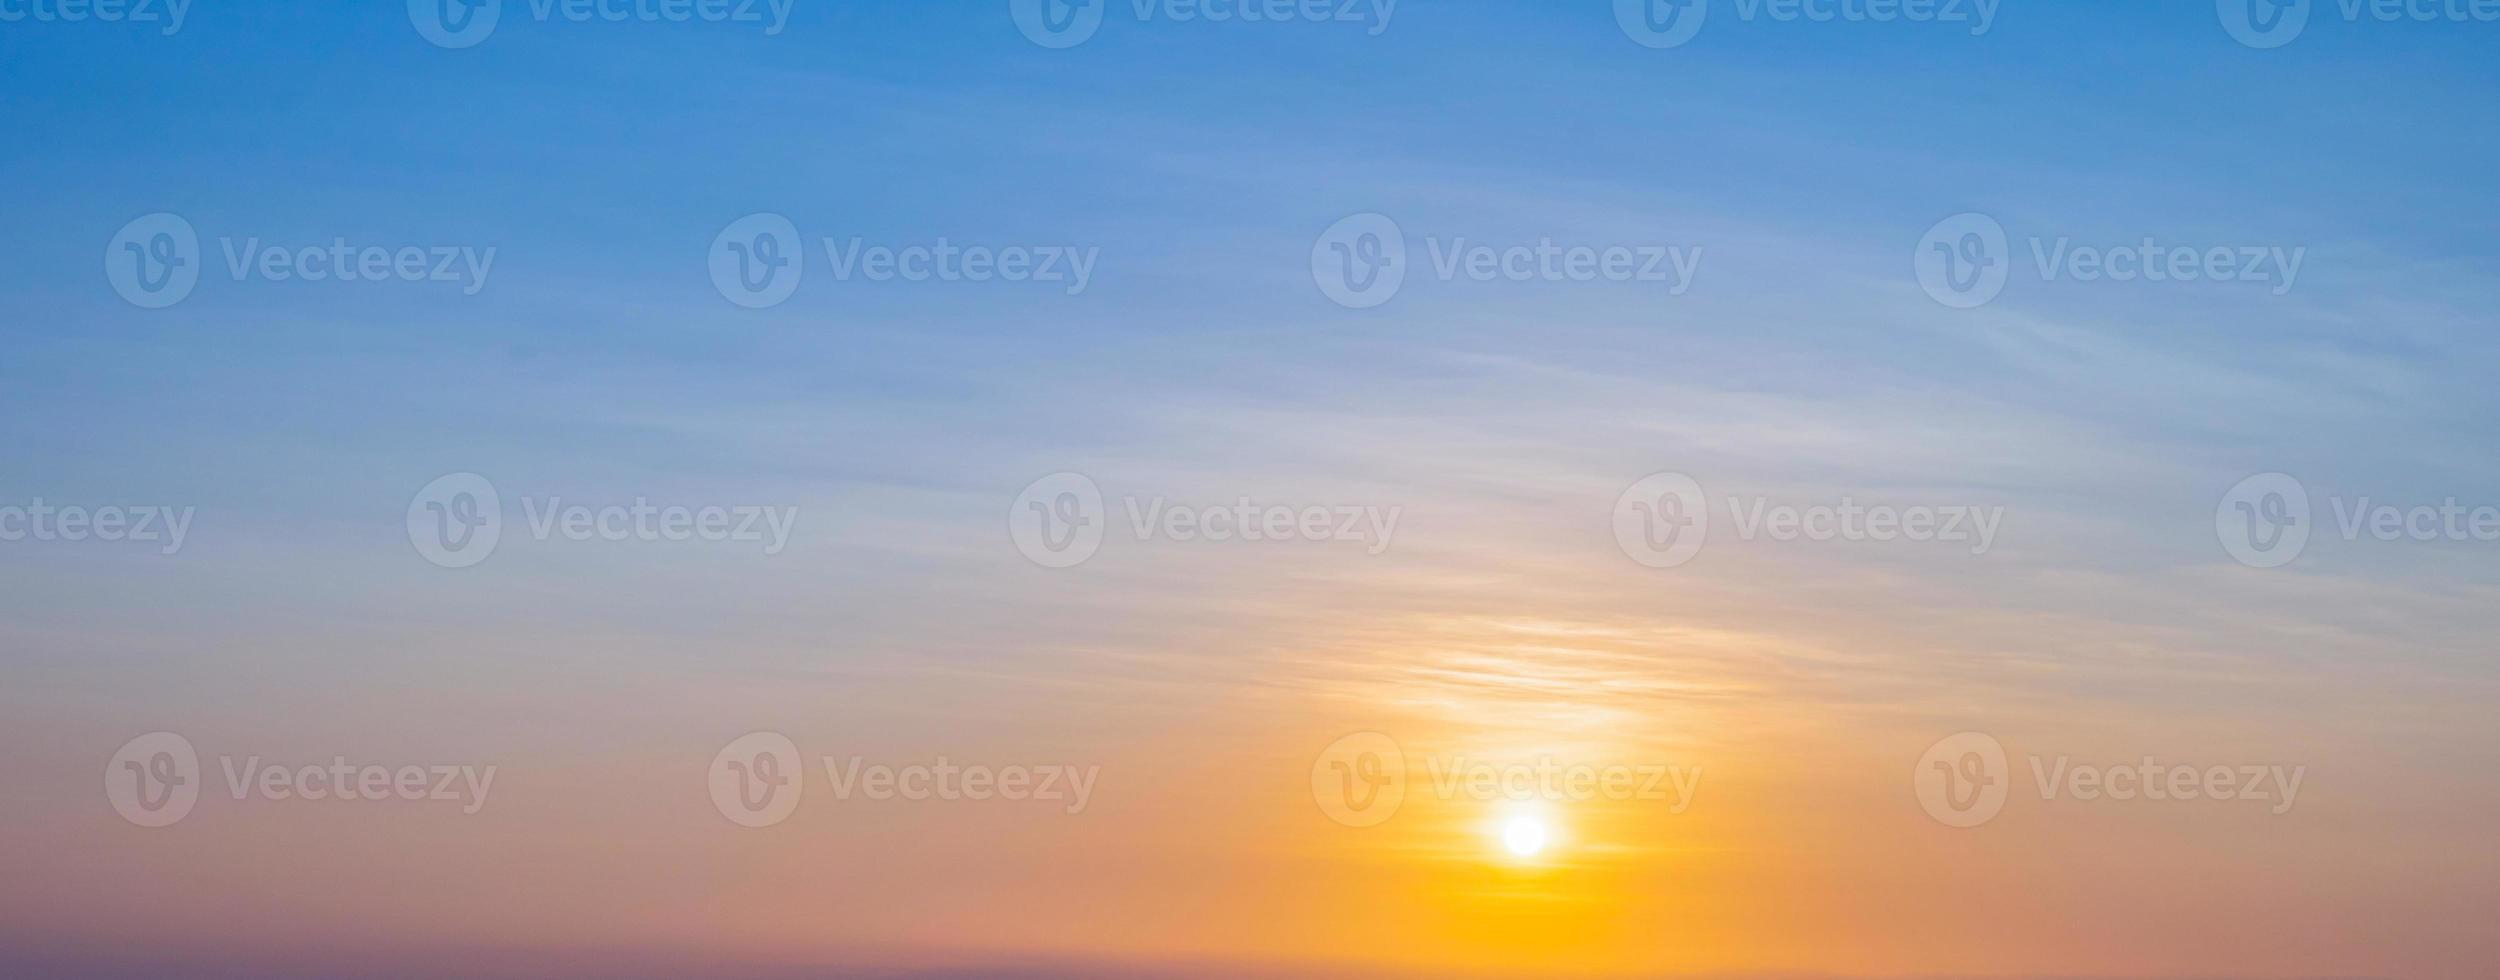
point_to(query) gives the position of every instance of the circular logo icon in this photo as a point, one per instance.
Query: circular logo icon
(1962, 779)
(756, 260)
(1661, 23)
(1962, 261)
(455, 23)
(1058, 520)
(154, 779)
(2264, 521)
(1662, 520)
(1360, 261)
(1057, 24)
(756, 780)
(1360, 780)
(456, 520)
(2263, 24)
(154, 261)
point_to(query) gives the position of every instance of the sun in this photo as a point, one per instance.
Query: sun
(1525, 833)
(1524, 836)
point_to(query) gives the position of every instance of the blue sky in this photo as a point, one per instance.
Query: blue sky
(598, 159)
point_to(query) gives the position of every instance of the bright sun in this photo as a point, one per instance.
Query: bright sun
(1524, 836)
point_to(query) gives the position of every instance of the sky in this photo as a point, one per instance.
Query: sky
(948, 520)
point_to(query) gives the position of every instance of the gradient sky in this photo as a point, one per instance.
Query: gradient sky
(903, 419)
